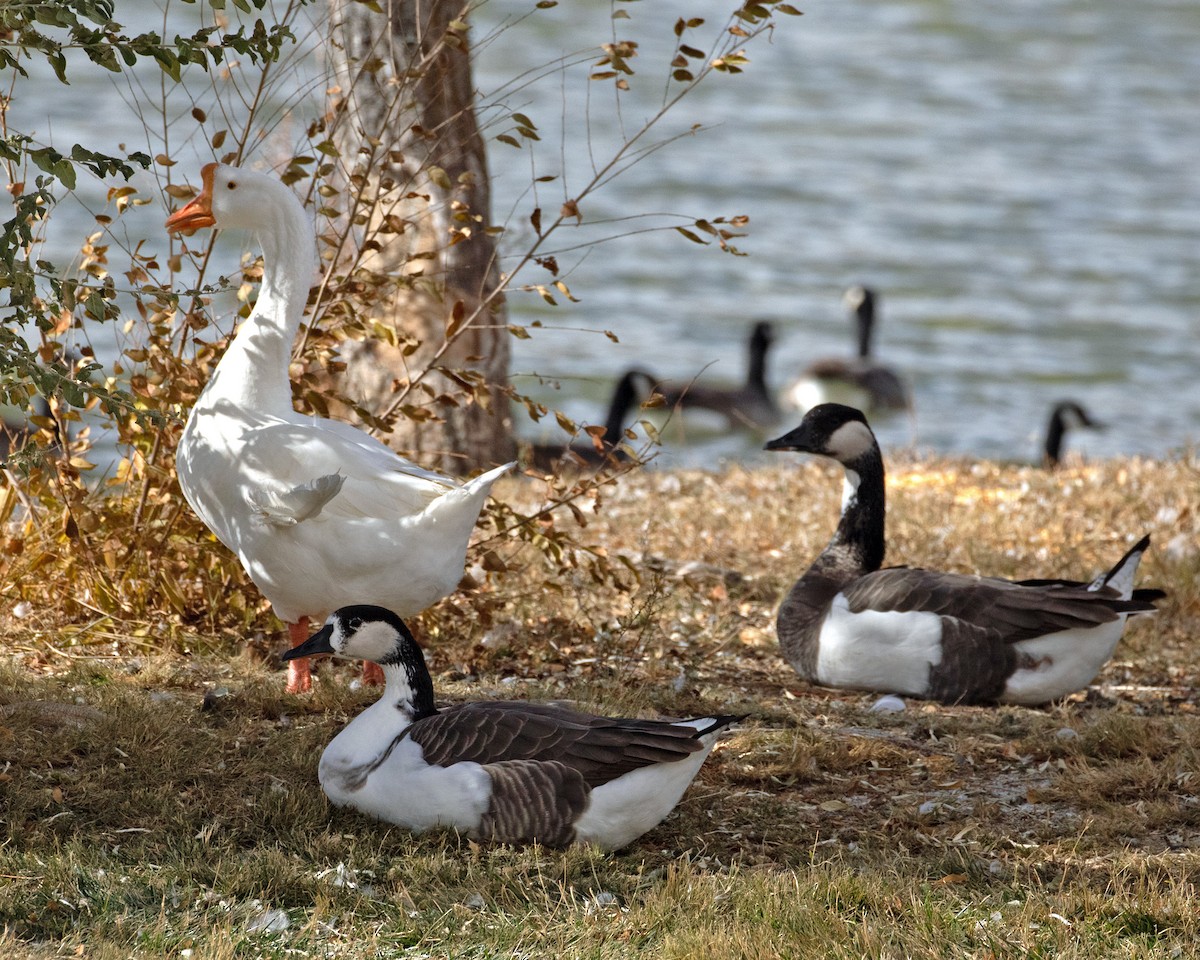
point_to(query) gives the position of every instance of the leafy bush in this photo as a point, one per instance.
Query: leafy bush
(84, 541)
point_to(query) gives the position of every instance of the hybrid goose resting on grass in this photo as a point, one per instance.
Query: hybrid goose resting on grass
(502, 770)
(924, 633)
(320, 513)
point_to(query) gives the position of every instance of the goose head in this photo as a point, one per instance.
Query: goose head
(367, 632)
(362, 632)
(267, 207)
(233, 197)
(860, 301)
(830, 430)
(762, 336)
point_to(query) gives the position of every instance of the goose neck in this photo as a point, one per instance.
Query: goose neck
(253, 373)
(409, 688)
(865, 322)
(860, 531)
(618, 408)
(756, 376)
(1054, 438)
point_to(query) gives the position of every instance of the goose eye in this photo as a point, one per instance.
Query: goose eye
(232, 185)
(353, 624)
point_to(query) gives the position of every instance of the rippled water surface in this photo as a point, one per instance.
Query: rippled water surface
(1019, 180)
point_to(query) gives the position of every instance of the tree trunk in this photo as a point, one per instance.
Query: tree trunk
(408, 129)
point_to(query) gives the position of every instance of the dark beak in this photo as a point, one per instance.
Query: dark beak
(315, 645)
(792, 440)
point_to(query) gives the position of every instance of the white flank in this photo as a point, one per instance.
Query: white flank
(622, 810)
(878, 650)
(1064, 662)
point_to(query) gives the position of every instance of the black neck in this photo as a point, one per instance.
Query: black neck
(408, 677)
(756, 373)
(624, 397)
(866, 320)
(1054, 438)
(860, 533)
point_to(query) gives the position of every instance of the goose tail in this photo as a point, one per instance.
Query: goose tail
(1120, 578)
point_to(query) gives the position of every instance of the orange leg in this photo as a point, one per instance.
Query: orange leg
(299, 677)
(372, 674)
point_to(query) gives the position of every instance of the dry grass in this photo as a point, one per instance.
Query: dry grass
(175, 806)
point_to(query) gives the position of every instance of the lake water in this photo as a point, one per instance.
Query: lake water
(1019, 180)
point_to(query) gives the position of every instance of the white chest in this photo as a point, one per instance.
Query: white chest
(385, 776)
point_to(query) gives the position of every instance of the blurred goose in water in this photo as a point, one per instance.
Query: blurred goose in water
(16, 429)
(633, 388)
(16, 424)
(924, 633)
(320, 513)
(751, 405)
(1066, 415)
(501, 770)
(859, 380)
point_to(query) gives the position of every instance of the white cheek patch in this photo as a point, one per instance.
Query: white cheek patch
(372, 641)
(850, 441)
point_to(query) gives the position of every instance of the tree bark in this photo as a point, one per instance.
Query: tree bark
(408, 128)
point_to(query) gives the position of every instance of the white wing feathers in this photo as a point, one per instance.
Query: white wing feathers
(287, 508)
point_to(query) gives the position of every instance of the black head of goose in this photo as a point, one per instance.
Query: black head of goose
(633, 387)
(751, 405)
(1066, 415)
(876, 386)
(923, 633)
(502, 770)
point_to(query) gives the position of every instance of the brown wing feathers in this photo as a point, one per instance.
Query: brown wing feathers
(534, 801)
(1015, 611)
(599, 749)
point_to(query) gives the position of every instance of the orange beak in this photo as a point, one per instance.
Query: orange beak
(198, 213)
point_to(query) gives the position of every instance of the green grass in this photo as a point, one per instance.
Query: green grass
(182, 811)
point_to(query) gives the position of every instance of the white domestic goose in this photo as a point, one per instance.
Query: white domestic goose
(750, 405)
(924, 633)
(320, 513)
(859, 380)
(502, 770)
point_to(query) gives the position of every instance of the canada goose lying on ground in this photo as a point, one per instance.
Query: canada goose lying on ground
(872, 385)
(319, 512)
(751, 405)
(502, 770)
(597, 451)
(1066, 415)
(924, 633)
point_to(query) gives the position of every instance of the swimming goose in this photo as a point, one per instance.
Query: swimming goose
(944, 636)
(1066, 415)
(501, 770)
(320, 513)
(546, 456)
(751, 405)
(873, 385)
